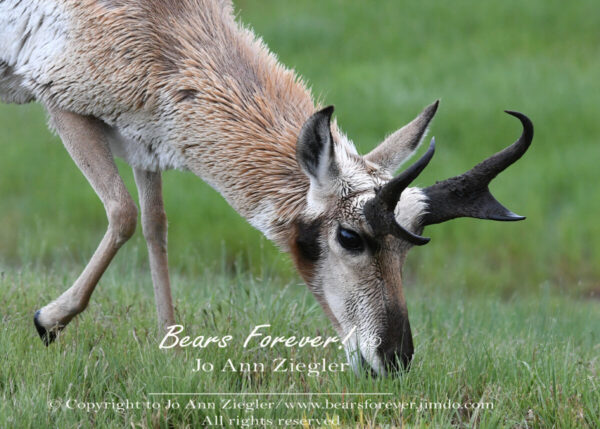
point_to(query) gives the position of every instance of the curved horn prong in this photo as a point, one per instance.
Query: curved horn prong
(380, 210)
(398, 231)
(495, 164)
(390, 193)
(468, 195)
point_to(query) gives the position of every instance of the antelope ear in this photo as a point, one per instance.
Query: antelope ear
(314, 149)
(392, 152)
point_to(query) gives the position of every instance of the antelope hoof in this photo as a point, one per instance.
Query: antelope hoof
(47, 336)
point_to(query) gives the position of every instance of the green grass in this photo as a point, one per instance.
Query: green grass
(501, 312)
(538, 354)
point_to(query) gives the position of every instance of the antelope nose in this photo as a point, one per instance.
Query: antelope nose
(397, 359)
(397, 352)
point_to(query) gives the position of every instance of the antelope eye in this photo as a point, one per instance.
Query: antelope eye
(349, 239)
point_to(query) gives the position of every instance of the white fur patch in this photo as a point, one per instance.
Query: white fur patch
(316, 199)
(351, 167)
(411, 207)
(261, 218)
(139, 140)
(33, 34)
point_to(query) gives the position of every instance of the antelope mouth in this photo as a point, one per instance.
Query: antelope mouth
(360, 365)
(367, 368)
(374, 365)
(387, 357)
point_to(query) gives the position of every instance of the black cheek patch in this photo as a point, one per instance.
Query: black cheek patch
(307, 240)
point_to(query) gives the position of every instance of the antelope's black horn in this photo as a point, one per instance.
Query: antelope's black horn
(379, 211)
(468, 195)
(487, 170)
(391, 191)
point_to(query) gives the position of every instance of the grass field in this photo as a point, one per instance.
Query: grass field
(521, 354)
(502, 313)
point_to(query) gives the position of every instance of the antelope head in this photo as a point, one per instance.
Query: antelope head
(360, 222)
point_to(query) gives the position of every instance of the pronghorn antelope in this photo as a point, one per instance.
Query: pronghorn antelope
(180, 84)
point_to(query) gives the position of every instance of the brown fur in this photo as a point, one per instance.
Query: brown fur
(231, 109)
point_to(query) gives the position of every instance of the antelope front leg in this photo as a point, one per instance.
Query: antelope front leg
(154, 225)
(86, 143)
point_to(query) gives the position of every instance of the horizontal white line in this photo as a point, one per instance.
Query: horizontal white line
(263, 393)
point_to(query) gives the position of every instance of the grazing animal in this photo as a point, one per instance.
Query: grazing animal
(180, 84)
